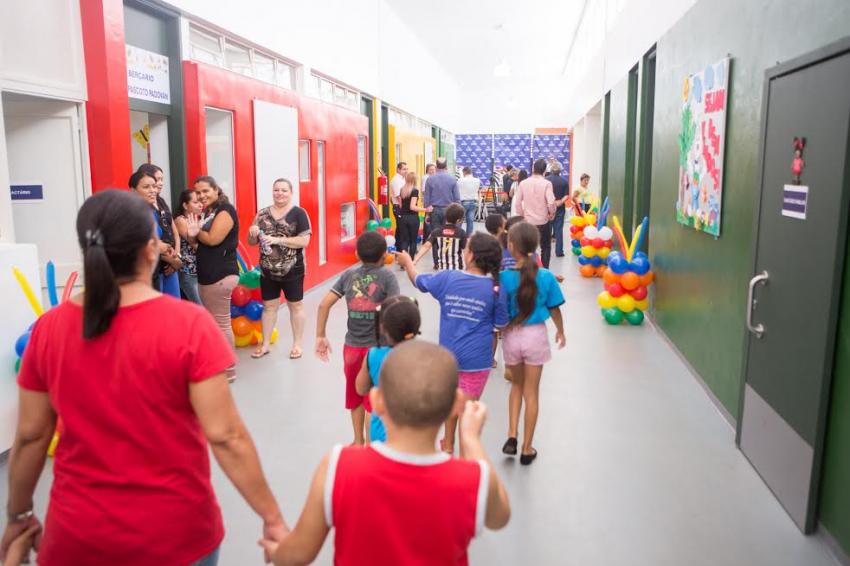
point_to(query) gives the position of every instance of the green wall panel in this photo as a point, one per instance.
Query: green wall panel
(617, 134)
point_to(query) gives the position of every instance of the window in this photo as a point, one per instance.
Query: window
(316, 86)
(326, 91)
(361, 167)
(264, 67)
(238, 58)
(320, 173)
(351, 100)
(205, 47)
(339, 95)
(347, 222)
(283, 75)
(304, 160)
(219, 142)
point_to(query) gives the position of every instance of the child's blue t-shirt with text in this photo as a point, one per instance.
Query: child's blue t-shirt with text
(549, 295)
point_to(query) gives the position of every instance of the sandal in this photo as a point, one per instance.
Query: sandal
(295, 353)
(527, 459)
(259, 353)
(509, 447)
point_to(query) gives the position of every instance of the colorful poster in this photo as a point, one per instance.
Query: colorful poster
(701, 144)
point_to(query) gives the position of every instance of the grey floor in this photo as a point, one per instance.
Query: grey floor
(636, 465)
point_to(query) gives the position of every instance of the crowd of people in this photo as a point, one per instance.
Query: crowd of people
(136, 422)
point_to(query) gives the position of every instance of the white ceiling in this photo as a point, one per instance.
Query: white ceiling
(470, 37)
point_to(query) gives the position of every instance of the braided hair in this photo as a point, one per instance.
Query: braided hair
(398, 317)
(524, 239)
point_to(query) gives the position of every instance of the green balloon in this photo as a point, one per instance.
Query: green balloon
(372, 225)
(613, 315)
(635, 317)
(17, 365)
(576, 251)
(386, 223)
(250, 279)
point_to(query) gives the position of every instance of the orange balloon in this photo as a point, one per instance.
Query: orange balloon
(257, 325)
(647, 278)
(630, 280)
(600, 270)
(609, 276)
(241, 326)
(388, 259)
(587, 270)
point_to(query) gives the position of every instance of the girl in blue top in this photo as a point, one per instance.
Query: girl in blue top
(533, 297)
(398, 320)
(472, 307)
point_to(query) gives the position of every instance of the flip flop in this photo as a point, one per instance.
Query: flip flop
(527, 459)
(293, 355)
(509, 447)
(257, 354)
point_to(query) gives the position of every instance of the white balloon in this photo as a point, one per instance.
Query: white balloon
(606, 233)
(390, 241)
(591, 232)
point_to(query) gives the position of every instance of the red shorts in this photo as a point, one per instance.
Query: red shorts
(352, 359)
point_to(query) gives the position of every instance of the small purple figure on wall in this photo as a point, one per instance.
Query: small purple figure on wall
(798, 163)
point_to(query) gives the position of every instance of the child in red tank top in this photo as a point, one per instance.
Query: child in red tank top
(424, 505)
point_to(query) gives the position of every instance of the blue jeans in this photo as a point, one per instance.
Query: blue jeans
(438, 217)
(558, 228)
(169, 285)
(210, 559)
(189, 286)
(469, 208)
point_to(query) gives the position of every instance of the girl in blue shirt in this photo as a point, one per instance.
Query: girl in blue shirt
(472, 308)
(398, 320)
(533, 297)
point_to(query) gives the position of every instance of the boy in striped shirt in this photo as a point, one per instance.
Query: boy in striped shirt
(447, 242)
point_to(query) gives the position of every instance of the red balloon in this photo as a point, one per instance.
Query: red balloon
(573, 229)
(608, 244)
(639, 293)
(256, 295)
(382, 231)
(596, 243)
(241, 296)
(584, 242)
(616, 290)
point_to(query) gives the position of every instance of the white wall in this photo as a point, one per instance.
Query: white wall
(363, 44)
(587, 149)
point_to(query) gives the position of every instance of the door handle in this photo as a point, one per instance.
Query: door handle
(758, 329)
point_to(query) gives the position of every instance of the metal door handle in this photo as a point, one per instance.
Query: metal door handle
(758, 329)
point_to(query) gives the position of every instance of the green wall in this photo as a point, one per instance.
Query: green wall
(700, 294)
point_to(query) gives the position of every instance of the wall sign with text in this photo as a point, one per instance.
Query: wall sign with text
(147, 75)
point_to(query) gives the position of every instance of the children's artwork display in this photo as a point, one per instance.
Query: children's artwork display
(702, 140)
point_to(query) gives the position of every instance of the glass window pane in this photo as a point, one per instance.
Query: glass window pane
(351, 100)
(219, 142)
(304, 160)
(205, 47)
(327, 91)
(339, 95)
(283, 75)
(316, 86)
(361, 167)
(264, 67)
(238, 58)
(320, 172)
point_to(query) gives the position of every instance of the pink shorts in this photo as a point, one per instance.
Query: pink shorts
(527, 345)
(472, 382)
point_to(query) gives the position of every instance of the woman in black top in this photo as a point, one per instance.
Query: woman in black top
(282, 231)
(407, 230)
(217, 236)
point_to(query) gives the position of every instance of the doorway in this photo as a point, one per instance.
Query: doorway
(794, 295)
(149, 133)
(46, 172)
(644, 166)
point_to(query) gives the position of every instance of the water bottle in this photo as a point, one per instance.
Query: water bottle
(264, 244)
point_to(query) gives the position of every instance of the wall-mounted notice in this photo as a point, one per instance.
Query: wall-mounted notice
(701, 144)
(27, 192)
(147, 75)
(795, 199)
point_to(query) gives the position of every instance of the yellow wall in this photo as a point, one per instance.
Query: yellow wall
(412, 146)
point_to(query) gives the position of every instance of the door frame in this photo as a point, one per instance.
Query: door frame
(829, 51)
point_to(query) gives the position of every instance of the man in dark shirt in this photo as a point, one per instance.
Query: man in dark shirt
(561, 188)
(506, 178)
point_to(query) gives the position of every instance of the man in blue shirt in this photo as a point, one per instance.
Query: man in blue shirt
(561, 189)
(439, 192)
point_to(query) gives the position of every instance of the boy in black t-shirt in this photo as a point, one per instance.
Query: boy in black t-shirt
(448, 242)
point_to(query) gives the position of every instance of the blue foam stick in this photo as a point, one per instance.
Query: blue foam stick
(644, 225)
(603, 215)
(241, 261)
(51, 284)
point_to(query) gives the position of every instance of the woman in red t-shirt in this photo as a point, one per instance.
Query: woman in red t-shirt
(139, 400)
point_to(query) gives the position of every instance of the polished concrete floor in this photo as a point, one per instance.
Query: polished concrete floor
(636, 465)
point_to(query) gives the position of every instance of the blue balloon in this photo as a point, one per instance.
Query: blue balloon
(618, 263)
(235, 311)
(582, 260)
(575, 243)
(21, 343)
(254, 310)
(596, 261)
(640, 254)
(391, 249)
(640, 265)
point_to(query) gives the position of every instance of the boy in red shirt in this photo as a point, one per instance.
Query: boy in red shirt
(425, 506)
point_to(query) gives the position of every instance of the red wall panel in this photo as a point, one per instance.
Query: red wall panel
(207, 86)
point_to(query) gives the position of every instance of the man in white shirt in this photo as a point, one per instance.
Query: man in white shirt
(468, 186)
(396, 183)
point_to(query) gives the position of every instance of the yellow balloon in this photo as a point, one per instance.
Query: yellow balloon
(590, 219)
(274, 336)
(626, 303)
(242, 341)
(577, 221)
(588, 251)
(605, 300)
(25, 287)
(642, 304)
(54, 442)
(603, 252)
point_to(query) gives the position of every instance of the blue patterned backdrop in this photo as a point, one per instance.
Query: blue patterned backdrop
(513, 149)
(544, 145)
(476, 151)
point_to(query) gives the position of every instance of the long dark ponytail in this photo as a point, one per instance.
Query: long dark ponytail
(487, 255)
(524, 238)
(112, 227)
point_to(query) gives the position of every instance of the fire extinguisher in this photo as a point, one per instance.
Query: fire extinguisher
(383, 190)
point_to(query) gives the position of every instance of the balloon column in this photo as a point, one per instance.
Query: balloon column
(246, 307)
(626, 278)
(23, 340)
(591, 240)
(385, 229)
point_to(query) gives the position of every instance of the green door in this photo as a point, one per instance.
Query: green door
(794, 295)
